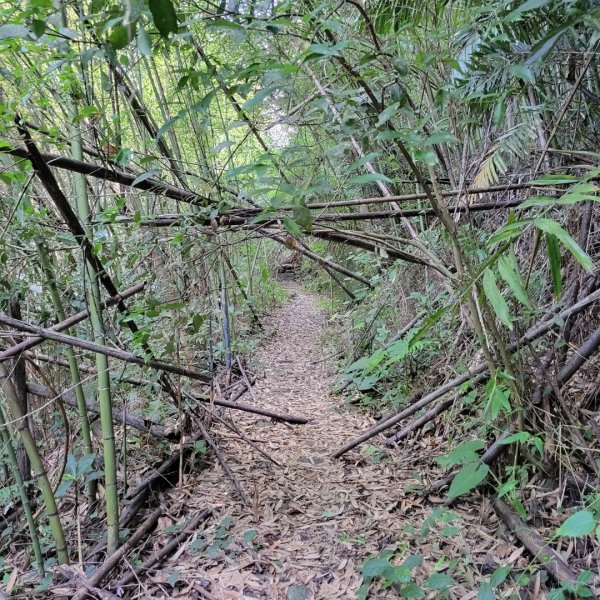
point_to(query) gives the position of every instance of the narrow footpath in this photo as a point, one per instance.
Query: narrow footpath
(313, 521)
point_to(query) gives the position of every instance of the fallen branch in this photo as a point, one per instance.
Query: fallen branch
(478, 372)
(161, 554)
(119, 416)
(90, 370)
(101, 349)
(67, 323)
(535, 544)
(114, 559)
(151, 184)
(420, 422)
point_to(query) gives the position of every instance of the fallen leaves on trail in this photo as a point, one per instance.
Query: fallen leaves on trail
(314, 522)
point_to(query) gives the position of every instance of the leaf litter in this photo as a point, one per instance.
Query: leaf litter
(313, 523)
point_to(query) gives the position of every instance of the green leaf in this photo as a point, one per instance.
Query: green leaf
(38, 27)
(544, 46)
(291, 226)
(521, 437)
(468, 478)
(578, 524)
(225, 24)
(302, 216)
(362, 161)
(499, 110)
(142, 177)
(555, 179)
(527, 6)
(499, 575)
(258, 98)
(553, 228)
(144, 44)
(369, 178)
(164, 16)
(463, 453)
(120, 36)
(486, 592)
(493, 294)
(439, 581)
(166, 126)
(375, 567)
(387, 114)
(508, 272)
(522, 72)
(439, 138)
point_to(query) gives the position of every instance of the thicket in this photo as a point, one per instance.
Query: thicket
(434, 165)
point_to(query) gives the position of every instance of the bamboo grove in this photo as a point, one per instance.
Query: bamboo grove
(159, 159)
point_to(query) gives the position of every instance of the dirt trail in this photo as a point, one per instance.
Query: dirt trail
(314, 520)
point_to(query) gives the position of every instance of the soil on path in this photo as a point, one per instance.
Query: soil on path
(314, 520)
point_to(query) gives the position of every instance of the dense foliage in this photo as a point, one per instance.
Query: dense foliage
(435, 167)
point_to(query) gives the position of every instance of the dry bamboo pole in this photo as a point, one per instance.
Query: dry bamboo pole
(68, 322)
(102, 349)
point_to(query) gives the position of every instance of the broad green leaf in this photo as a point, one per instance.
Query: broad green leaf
(578, 524)
(302, 216)
(508, 271)
(555, 179)
(375, 567)
(499, 575)
(225, 24)
(439, 138)
(542, 48)
(325, 49)
(38, 27)
(369, 178)
(291, 226)
(495, 297)
(387, 114)
(522, 72)
(257, 98)
(527, 6)
(486, 592)
(164, 16)
(508, 232)
(439, 581)
(166, 126)
(362, 161)
(538, 201)
(520, 437)
(463, 453)
(120, 36)
(468, 478)
(143, 42)
(553, 228)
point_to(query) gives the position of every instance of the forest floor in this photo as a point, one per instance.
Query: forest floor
(314, 520)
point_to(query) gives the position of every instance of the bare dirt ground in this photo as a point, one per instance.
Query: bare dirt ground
(312, 521)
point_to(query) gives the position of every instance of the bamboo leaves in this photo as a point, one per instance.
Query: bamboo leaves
(493, 294)
(164, 16)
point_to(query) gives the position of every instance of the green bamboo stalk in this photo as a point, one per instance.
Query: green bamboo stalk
(84, 422)
(12, 459)
(37, 466)
(95, 309)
